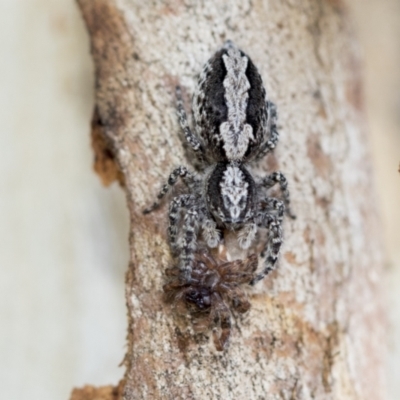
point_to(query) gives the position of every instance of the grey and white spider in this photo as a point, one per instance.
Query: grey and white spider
(235, 124)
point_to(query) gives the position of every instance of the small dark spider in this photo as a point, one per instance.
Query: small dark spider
(235, 124)
(213, 291)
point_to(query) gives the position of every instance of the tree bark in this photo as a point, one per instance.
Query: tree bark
(316, 326)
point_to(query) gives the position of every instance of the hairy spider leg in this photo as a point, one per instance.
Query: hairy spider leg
(239, 301)
(278, 177)
(272, 247)
(211, 234)
(192, 139)
(246, 235)
(221, 318)
(180, 172)
(178, 204)
(272, 130)
(187, 243)
(274, 204)
(273, 208)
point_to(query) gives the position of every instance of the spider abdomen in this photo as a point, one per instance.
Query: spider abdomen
(230, 107)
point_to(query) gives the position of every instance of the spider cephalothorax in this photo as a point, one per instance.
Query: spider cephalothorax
(213, 291)
(235, 124)
(231, 194)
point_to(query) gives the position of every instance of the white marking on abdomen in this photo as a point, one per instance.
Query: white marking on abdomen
(235, 133)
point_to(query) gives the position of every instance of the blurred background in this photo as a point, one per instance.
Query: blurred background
(63, 237)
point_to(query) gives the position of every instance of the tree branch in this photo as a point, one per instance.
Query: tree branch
(315, 329)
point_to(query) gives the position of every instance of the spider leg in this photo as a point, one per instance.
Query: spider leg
(246, 235)
(221, 318)
(239, 271)
(180, 172)
(191, 139)
(272, 247)
(187, 243)
(272, 204)
(239, 301)
(272, 131)
(278, 177)
(178, 204)
(275, 209)
(211, 234)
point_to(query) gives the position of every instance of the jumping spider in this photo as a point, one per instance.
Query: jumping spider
(235, 124)
(211, 293)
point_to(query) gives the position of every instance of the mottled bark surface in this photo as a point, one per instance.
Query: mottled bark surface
(315, 329)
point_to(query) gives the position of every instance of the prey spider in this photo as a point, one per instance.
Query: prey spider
(212, 293)
(235, 124)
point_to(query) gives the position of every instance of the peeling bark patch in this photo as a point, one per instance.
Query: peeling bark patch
(110, 52)
(104, 162)
(97, 393)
